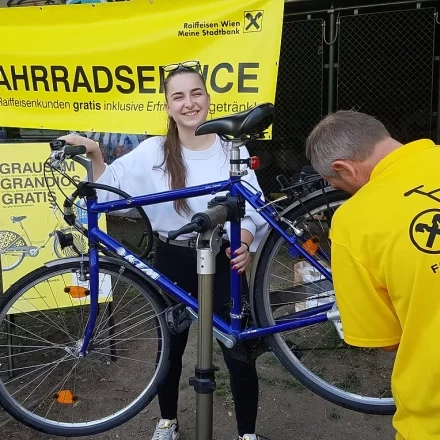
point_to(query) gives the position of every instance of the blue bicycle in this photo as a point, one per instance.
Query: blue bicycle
(85, 340)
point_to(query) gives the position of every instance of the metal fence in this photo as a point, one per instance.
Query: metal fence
(298, 101)
(380, 59)
(386, 63)
(381, 62)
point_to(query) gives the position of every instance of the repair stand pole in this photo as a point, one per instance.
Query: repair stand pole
(208, 246)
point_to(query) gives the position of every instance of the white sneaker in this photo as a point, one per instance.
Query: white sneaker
(248, 437)
(166, 430)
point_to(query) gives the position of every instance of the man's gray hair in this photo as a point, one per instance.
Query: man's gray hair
(343, 135)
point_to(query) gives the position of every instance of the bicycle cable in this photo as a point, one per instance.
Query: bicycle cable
(75, 184)
(123, 194)
(82, 230)
(60, 189)
(266, 200)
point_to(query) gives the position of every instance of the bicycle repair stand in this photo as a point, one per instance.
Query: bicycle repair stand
(209, 225)
(208, 246)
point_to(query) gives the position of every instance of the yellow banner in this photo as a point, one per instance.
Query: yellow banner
(96, 67)
(30, 216)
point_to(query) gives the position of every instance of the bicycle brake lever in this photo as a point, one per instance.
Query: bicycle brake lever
(56, 160)
(61, 151)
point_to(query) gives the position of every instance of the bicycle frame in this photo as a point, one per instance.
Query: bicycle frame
(235, 187)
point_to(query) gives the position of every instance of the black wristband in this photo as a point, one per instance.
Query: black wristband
(243, 242)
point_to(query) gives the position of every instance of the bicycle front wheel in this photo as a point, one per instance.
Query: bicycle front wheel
(45, 383)
(316, 355)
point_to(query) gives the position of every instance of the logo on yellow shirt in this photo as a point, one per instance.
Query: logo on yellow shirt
(425, 227)
(425, 231)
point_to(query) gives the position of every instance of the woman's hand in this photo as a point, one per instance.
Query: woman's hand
(93, 152)
(241, 259)
(75, 139)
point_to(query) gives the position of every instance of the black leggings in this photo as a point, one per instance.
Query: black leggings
(179, 264)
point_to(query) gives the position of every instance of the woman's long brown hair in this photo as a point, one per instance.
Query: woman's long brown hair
(172, 151)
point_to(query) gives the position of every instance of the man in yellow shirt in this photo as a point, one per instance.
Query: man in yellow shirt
(386, 255)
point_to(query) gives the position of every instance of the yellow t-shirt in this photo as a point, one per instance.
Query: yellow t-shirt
(386, 270)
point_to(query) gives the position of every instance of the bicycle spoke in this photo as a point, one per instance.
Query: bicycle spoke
(49, 382)
(57, 308)
(81, 325)
(134, 338)
(98, 326)
(51, 369)
(31, 314)
(60, 386)
(38, 338)
(120, 310)
(293, 285)
(130, 317)
(24, 353)
(127, 329)
(124, 357)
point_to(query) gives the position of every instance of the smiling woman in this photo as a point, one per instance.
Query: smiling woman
(187, 105)
(177, 160)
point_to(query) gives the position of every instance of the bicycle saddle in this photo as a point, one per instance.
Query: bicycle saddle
(18, 219)
(249, 122)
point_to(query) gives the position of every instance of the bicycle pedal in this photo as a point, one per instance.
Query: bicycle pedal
(177, 319)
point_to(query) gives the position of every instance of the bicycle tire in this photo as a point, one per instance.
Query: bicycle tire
(285, 355)
(32, 420)
(18, 239)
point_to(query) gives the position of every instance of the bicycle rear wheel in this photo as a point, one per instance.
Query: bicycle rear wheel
(10, 256)
(45, 384)
(317, 356)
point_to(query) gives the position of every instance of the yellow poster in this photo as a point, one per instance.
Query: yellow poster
(97, 67)
(31, 196)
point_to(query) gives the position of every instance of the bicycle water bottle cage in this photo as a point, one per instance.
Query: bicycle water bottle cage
(248, 124)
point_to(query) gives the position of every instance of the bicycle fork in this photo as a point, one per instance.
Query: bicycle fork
(94, 295)
(93, 276)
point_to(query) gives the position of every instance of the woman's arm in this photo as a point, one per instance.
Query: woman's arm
(93, 152)
(127, 173)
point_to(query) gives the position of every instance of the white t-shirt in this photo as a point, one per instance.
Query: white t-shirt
(135, 174)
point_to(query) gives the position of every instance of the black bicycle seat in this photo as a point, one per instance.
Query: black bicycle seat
(249, 122)
(18, 219)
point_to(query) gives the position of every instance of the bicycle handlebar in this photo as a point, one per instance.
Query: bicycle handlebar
(60, 151)
(203, 221)
(60, 145)
(74, 150)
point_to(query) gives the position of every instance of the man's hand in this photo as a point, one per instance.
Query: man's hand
(390, 348)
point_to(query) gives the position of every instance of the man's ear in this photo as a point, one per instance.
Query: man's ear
(344, 168)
